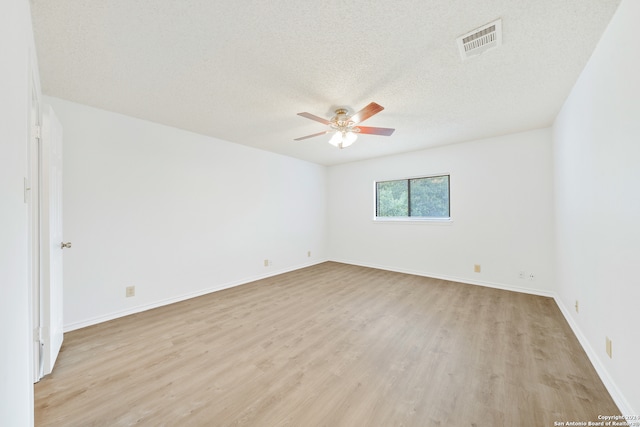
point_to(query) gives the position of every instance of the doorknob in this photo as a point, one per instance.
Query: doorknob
(65, 245)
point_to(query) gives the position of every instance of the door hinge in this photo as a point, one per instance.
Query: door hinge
(37, 132)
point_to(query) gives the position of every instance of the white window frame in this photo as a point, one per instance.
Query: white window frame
(410, 219)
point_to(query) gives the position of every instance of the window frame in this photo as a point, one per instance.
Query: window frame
(411, 219)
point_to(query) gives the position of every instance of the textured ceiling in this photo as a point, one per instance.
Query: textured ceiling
(241, 70)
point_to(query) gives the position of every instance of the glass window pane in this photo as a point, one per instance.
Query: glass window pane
(392, 198)
(430, 197)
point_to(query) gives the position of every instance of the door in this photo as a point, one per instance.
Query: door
(51, 243)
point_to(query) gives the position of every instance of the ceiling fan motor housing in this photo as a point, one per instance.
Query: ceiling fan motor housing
(342, 121)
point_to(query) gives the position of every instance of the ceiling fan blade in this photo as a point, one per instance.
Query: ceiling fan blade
(366, 112)
(311, 136)
(375, 131)
(316, 118)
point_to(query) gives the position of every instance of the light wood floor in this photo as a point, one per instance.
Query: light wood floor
(329, 345)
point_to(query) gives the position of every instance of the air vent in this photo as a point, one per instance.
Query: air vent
(481, 39)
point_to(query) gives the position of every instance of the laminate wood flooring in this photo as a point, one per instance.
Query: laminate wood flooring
(329, 345)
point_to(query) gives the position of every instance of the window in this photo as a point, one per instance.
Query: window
(417, 198)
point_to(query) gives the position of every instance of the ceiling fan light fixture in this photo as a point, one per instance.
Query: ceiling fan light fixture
(343, 139)
(336, 139)
(348, 138)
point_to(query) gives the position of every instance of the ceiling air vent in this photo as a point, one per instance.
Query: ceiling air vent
(481, 39)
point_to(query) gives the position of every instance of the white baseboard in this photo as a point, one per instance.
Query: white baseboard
(502, 286)
(140, 308)
(616, 395)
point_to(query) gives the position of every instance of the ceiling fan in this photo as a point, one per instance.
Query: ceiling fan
(345, 127)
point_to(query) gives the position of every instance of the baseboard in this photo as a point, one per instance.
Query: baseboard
(140, 308)
(465, 280)
(616, 395)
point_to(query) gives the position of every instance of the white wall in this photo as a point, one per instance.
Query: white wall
(175, 213)
(16, 47)
(501, 206)
(597, 183)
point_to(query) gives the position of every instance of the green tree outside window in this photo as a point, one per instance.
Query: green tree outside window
(426, 197)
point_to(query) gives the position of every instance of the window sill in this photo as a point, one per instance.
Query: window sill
(432, 221)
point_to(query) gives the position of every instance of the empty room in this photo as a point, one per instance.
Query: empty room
(319, 213)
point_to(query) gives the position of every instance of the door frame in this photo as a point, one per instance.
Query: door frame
(32, 198)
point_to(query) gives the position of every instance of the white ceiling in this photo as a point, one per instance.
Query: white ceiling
(241, 70)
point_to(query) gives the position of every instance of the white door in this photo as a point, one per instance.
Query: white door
(51, 242)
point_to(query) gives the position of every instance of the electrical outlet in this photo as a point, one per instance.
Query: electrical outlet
(308, 254)
(130, 291)
(267, 263)
(532, 276)
(608, 348)
(476, 268)
(522, 274)
(577, 307)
